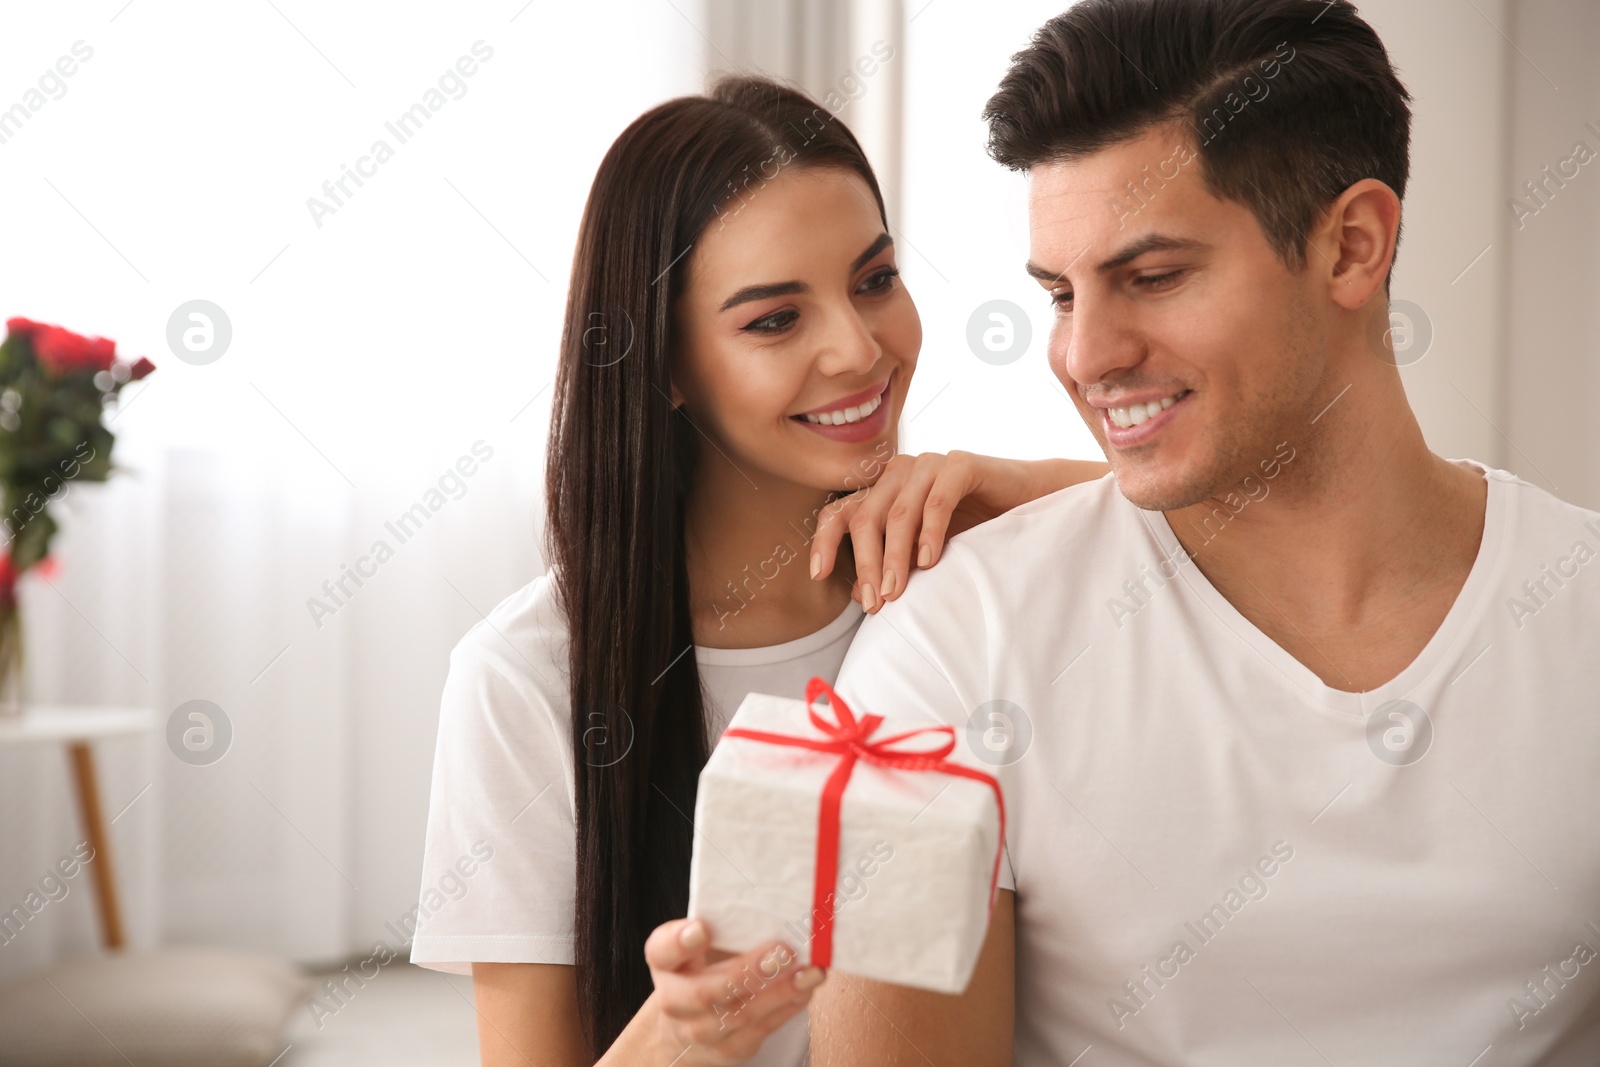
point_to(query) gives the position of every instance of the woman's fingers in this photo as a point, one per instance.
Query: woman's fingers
(681, 943)
(867, 522)
(734, 1003)
(896, 525)
(737, 993)
(907, 522)
(833, 522)
(955, 479)
(723, 989)
(745, 1041)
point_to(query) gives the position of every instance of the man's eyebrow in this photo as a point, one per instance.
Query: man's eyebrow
(1154, 242)
(764, 292)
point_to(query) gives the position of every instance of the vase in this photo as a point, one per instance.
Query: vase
(10, 659)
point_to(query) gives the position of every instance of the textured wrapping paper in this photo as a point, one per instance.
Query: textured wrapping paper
(917, 847)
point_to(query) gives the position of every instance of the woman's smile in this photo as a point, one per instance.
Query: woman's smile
(860, 416)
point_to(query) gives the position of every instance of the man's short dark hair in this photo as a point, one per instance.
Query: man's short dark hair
(1288, 102)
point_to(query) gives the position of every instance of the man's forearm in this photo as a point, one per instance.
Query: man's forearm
(860, 1023)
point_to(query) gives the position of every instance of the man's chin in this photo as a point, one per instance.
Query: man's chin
(1156, 490)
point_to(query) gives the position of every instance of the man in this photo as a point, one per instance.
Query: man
(1305, 750)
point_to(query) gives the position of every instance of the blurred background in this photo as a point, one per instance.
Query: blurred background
(360, 348)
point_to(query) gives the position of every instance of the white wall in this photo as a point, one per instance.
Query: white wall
(1453, 61)
(1551, 380)
(965, 237)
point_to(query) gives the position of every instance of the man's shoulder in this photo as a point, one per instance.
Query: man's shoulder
(1537, 505)
(1548, 542)
(1054, 528)
(1535, 520)
(999, 589)
(1060, 534)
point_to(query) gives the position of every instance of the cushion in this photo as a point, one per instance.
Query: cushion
(175, 1007)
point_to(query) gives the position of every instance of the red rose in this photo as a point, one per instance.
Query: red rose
(141, 368)
(60, 351)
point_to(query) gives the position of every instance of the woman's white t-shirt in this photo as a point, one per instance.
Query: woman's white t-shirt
(499, 862)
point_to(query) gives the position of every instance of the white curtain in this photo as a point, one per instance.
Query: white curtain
(416, 325)
(847, 54)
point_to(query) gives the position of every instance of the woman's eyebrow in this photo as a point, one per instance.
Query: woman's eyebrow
(763, 292)
(883, 241)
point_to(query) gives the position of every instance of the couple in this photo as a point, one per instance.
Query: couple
(1306, 751)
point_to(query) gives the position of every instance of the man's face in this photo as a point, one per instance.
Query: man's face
(1192, 359)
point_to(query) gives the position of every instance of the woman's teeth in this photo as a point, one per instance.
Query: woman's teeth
(844, 415)
(1125, 418)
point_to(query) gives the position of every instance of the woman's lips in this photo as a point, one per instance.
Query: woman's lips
(852, 400)
(863, 429)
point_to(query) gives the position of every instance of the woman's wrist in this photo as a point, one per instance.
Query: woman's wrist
(646, 1041)
(1046, 476)
(1006, 483)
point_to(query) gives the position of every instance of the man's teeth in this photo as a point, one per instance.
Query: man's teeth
(844, 415)
(1124, 418)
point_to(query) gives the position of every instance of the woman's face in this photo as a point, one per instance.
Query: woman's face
(796, 338)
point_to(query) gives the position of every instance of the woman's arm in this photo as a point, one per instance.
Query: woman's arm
(527, 1014)
(703, 1013)
(919, 501)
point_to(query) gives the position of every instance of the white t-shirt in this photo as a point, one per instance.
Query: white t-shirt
(503, 785)
(1220, 860)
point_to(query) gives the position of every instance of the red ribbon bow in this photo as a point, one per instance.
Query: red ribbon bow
(850, 739)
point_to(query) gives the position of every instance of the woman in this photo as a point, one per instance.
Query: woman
(737, 352)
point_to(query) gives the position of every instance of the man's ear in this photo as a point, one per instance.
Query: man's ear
(1357, 237)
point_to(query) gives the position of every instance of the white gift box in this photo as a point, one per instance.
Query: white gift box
(917, 848)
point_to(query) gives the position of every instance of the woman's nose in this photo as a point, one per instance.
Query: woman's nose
(848, 345)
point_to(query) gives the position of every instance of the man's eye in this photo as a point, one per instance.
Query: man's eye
(1062, 301)
(777, 322)
(1155, 281)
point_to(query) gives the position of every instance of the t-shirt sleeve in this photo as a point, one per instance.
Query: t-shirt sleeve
(499, 858)
(924, 655)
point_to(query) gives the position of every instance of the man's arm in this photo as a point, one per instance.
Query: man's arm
(856, 1022)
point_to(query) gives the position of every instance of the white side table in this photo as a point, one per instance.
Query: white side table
(76, 726)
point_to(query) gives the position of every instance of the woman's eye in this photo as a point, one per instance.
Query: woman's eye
(777, 322)
(880, 282)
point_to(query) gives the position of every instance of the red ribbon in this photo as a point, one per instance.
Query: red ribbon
(849, 738)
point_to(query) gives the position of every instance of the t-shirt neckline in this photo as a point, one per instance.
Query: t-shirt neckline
(1468, 603)
(800, 647)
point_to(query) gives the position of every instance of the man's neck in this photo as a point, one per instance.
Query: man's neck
(1353, 558)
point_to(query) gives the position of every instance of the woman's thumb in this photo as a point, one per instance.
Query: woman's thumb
(677, 944)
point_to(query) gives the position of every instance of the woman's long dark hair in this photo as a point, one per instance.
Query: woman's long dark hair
(620, 463)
